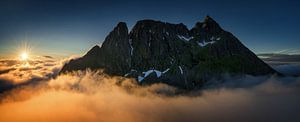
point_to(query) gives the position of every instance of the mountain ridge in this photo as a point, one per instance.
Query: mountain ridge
(155, 51)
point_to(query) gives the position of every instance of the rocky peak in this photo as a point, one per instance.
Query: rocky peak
(158, 27)
(208, 26)
(156, 51)
(115, 51)
(121, 25)
(211, 26)
(155, 43)
(93, 51)
(117, 35)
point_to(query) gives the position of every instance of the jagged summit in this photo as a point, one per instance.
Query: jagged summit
(208, 19)
(155, 51)
(208, 26)
(122, 24)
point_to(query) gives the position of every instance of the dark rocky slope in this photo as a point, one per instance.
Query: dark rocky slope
(156, 51)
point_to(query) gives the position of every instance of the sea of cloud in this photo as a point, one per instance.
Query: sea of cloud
(283, 63)
(93, 96)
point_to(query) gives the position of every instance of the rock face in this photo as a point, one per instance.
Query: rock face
(156, 51)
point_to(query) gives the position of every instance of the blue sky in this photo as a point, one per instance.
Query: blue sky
(64, 28)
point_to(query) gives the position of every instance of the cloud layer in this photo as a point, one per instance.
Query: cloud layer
(17, 72)
(93, 96)
(283, 63)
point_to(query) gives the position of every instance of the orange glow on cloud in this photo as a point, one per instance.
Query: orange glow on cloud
(95, 97)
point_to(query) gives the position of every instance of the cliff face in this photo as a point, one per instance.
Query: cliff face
(156, 51)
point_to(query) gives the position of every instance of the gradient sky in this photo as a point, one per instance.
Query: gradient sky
(61, 28)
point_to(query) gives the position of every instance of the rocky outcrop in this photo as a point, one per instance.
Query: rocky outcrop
(156, 51)
(114, 56)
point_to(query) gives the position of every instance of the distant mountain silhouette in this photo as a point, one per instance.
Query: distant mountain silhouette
(156, 51)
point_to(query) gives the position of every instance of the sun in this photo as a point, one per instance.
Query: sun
(24, 56)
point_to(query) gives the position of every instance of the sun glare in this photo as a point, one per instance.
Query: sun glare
(24, 56)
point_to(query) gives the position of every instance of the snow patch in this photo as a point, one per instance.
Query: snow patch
(204, 43)
(126, 74)
(132, 70)
(158, 73)
(181, 71)
(166, 70)
(147, 73)
(140, 78)
(131, 47)
(214, 38)
(184, 38)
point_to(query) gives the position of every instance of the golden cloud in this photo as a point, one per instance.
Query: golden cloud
(96, 97)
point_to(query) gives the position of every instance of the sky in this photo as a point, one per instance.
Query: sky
(61, 28)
